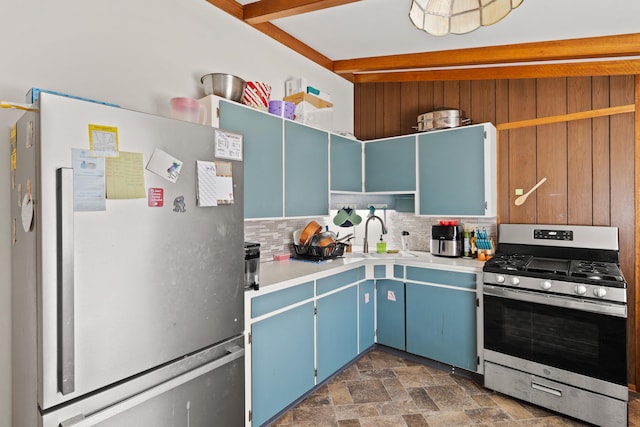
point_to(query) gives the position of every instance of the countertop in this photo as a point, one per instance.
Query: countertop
(281, 272)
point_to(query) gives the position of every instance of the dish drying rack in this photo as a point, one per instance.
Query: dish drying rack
(317, 253)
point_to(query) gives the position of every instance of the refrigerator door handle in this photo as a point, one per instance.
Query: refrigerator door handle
(233, 353)
(65, 267)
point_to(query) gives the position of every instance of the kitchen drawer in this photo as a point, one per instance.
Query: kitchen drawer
(443, 277)
(275, 300)
(336, 281)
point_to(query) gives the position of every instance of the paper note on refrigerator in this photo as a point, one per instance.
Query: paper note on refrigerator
(88, 181)
(164, 165)
(206, 183)
(125, 176)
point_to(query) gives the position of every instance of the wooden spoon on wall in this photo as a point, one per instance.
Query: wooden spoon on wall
(520, 200)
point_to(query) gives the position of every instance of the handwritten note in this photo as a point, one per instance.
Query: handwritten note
(125, 176)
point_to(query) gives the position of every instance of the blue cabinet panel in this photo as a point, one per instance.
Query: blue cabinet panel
(366, 315)
(451, 174)
(337, 339)
(398, 271)
(263, 161)
(306, 170)
(390, 313)
(441, 324)
(346, 164)
(379, 271)
(330, 283)
(282, 366)
(390, 164)
(279, 299)
(444, 277)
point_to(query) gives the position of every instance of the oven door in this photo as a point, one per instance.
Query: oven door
(578, 336)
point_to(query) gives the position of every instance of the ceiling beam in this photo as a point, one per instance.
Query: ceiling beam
(232, 7)
(593, 47)
(268, 10)
(572, 69)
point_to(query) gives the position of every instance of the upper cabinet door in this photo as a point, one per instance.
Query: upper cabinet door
(457, 174)
(390, 164)
(306, 171)
(263, 160)
(346, 164)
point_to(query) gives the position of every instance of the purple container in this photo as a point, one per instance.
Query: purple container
(282, 109)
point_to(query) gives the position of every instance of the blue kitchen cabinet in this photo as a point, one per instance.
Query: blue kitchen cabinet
(306, 170)
(263, 160)
(282, 351)
(337, 339)
(457, 171)
(346, 164)
(441, 316)
(390, 164)
(337, 321)
(366, 315)
(390, 313)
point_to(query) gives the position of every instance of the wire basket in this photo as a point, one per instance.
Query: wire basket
(331, 251)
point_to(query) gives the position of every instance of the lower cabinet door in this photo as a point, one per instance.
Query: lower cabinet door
(282, 361)
(337, 331)
(366, 315)
(390, 313)
(441, 324)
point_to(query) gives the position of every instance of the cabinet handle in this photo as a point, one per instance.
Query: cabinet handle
(546, 389)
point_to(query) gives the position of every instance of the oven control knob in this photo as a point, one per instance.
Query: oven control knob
(580, 289)
(515, 281)
(546, 285)
(499, 278)
(600, 292)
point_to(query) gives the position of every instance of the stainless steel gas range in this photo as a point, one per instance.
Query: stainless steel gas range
(555, 320)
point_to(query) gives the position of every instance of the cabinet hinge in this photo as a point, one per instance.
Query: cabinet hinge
(315, 372)
(478, 361)
(250, 415)
(249, 337)
(477, 302)
(486, 205)
(485, 134)
(218, 112)
(315, 311)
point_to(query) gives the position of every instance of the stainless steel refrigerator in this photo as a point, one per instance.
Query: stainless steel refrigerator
(127, 309)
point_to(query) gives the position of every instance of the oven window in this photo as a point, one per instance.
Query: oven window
(577, 341)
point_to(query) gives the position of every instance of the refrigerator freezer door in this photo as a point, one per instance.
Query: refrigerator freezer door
(149, 284)
(211, 393)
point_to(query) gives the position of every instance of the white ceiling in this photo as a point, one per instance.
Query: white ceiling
(370, 28)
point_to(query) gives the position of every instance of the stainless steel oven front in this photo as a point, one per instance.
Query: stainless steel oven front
(555, 340)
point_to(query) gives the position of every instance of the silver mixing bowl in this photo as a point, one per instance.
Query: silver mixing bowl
(224, 85)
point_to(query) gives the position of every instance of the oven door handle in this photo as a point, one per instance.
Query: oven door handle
(618, 310)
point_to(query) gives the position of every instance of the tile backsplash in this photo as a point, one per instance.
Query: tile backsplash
(275, 236)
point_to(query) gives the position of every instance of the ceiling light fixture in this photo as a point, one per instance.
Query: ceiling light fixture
(441, 17)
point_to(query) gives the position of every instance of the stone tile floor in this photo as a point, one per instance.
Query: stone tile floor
(383, 389)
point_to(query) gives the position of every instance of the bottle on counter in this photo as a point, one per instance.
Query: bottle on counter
(381, 247)
(404, 239)
(466, 245)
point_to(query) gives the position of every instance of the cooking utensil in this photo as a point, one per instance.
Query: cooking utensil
(311, 229)
(224, 85)
(520, 200)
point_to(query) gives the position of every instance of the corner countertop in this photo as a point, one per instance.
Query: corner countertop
(294, 271)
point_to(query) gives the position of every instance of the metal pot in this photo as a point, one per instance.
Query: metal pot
(440, 114)
(441, 119)
(224, 85)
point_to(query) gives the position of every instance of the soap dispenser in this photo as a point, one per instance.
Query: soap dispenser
(381, 247)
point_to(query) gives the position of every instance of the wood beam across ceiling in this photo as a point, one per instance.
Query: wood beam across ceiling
(268, 10)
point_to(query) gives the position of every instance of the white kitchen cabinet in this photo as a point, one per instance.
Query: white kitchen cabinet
(457, 173)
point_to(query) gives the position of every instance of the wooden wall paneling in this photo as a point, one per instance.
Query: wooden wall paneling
(409, 107)
(522, 150)
(465, 96)
(483, 101)
(392, 103)
(367, 115)
(438, 95)
(634, 325)
(379, 117)
(357, 109)
(600, 153)
(501, 105)
(551, 155)
(579, 154)
(451, 94)
(425, 103)
(622, 193)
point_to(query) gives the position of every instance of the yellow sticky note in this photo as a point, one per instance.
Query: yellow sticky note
(125, 176)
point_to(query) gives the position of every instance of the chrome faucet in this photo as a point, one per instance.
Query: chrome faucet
(366, 231)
